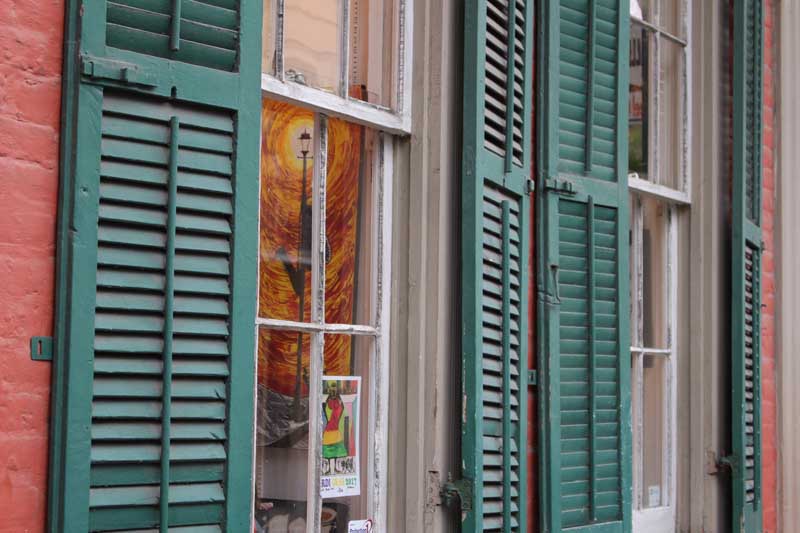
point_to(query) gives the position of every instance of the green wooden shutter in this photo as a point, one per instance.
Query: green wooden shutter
(154, 367)
(746, 266)
(494, 258)
(582, 266)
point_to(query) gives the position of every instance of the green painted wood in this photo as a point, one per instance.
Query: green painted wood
(746, 250)
(496, 164)
(157, 266)
(582, 271)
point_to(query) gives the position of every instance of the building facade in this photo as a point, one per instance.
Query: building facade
(395, 265)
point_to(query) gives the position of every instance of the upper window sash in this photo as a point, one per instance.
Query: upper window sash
(277, 85)
(667, 32)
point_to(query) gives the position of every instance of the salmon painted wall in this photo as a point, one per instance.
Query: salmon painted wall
(769, 427)
(31, 40)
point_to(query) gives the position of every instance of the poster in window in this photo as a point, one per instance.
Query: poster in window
(341, 399)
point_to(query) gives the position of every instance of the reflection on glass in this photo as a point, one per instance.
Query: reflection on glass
(350, 224)
(268, 38)
(373, 37)
(638, 101)
(282, 431)
(346, 431)
(653, 419)
(642, 9)
(654, 267)
(670, 17)
(670, 120)
(311, 43)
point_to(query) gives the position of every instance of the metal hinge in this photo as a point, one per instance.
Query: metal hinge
(459, 490)
(42, 348)
(533, 379)
(560, 185)
(107, 69)
(530, 185)
(725, 462)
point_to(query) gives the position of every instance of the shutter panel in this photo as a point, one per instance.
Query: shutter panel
(582, 271)
(495, 237)
(157, 267)
(746, 266)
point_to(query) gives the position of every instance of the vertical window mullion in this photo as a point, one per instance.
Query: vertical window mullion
(672, 366)
(656, 109)
(279, 15)
(314, 499)
(377, 498)
(344, 50)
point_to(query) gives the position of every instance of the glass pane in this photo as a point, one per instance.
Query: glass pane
(638, 102)
(311, 43)
(654, 269)
(282, 431)
(643, 10)
(671, 17)
(285, 240)
(653, 419)
(670, 118)
(350, 225)
(268, 38)
(346, 442)
(373, 42)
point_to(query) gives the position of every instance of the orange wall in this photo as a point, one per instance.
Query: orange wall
(31, 40)
(769, 430)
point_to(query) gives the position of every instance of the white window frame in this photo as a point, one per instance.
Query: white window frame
(390, 125)
(662, 519)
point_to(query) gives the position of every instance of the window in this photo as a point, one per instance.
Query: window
(334, 97)
(659, 185)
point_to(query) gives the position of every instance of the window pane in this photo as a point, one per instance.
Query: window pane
(671, 17)
(268, 38)
(643, 9)
(311, 43)
(287, 162)
(346, 442)
(373, 42)
(638, 102)
(671, 116)
(282, 430)
(350, 223)
(653, 419)
(654, 268)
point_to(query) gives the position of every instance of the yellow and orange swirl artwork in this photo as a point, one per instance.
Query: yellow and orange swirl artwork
(281, 197)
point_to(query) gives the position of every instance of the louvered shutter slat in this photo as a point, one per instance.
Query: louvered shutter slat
(746, 265)
(582, 269)
(157, 237)
(495, 225)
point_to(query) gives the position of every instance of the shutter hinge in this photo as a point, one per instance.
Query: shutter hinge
(560, 185)
(725, 462)
(533, 379)
(459, 490)
(530, 185)
(98, 68)
(42, 348)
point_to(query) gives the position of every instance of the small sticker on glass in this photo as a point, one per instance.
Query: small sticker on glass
(359, 526)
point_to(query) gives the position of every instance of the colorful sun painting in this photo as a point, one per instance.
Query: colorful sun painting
(287, 167)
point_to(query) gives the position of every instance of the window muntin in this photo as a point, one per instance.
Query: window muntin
(658, 110)
(355, 65)
(660, 185)
(653, 350)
